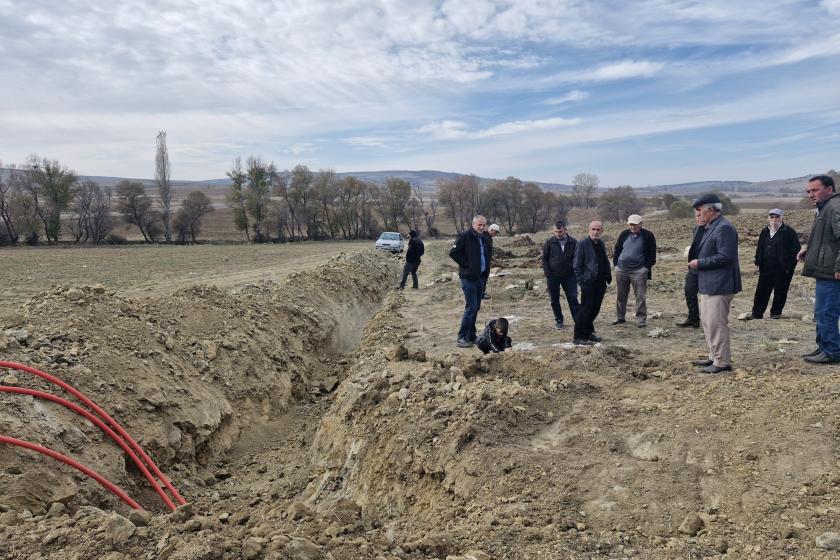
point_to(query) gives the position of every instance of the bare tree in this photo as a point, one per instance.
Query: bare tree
(584, 186)
(257, 194)
(163, 175)
(135, 206)
(91, 213)
(10, 234)
(618, 203)
(189, 217)
(537, 208)
(325, 190)
(236, 197)
(53, 187)
(506, 198)
(462, 196)
(429, 210)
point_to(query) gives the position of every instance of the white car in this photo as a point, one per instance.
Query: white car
(390, 241)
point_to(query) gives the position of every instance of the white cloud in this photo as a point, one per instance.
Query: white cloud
(574, 95)
(453, 130)
(831, 6)
(622, 70)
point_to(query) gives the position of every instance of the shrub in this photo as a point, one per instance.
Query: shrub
(115, 239)
(681, 209)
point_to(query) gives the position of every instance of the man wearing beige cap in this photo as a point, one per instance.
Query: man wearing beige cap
(633, 259)
(775, 257)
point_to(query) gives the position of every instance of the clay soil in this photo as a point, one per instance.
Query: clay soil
(327, 415)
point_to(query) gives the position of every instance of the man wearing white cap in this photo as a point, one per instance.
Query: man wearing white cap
(491, 232)
(775, 257)
(633, 258)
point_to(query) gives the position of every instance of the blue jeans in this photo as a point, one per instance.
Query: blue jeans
(472, 298)
(827, 315)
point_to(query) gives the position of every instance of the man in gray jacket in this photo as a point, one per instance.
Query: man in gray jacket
(822, 261)
(719, 279)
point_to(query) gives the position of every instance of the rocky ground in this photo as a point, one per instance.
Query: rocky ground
(322, 419)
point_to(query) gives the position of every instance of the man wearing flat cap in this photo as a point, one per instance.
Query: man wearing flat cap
(719, 279)
(633, 258)
(775, 257)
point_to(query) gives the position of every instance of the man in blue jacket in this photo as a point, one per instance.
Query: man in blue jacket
(472, 254)
(718, 278)
(592, 270)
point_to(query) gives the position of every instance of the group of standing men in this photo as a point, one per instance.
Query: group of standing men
(713, 272)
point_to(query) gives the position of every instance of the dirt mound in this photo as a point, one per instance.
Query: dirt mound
(185, 374)
(522, 241)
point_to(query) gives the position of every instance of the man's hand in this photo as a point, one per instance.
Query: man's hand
(837, 275)
(508, 349)
(693, 265)
(800, 256)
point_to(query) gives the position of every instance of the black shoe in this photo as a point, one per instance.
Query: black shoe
(752, 316)
(595, 338)
(822, 358)
(400, 288)
(702, 363)
(641, 325)
(558, 324)
(715, 369)
(618, 322)
(485, 296)
(463, 343)
(582, 342)
(777, 316)
(812, 353)
(689, 323)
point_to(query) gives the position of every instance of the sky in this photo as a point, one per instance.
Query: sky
(641, 93)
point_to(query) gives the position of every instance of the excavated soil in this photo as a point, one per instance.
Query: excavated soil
(334, 420)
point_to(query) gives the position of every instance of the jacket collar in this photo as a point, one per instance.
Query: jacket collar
(714, 225)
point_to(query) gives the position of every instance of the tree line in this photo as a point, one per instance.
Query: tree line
(43, 200)
(300, 204)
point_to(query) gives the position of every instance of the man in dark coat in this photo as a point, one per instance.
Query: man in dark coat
(822, 262)
(775, 257)
(412, 259)
(592, 270)
(719, 279)
(558, 257)
(472, 254)
(633, 258)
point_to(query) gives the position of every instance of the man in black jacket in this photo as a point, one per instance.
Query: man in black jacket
(472, 254)
(592, 270)
(558, 256)
(633, 258)
(412, 259)
(775, 257)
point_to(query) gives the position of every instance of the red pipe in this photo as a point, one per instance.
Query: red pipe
(102, 414)
(115, 490)
(101, 425)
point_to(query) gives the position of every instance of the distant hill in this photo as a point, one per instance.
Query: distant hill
(427, 180)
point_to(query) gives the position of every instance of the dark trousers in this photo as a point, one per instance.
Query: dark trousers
(591, 297)
(472, 303)
(569, 285)
(775, 280)
(410, 268)
(485, 277)
(692, 288)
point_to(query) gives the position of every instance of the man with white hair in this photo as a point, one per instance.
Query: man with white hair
(719, 279)
(592, 270)
(775, 257)
(633, 258)
(472, 254)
